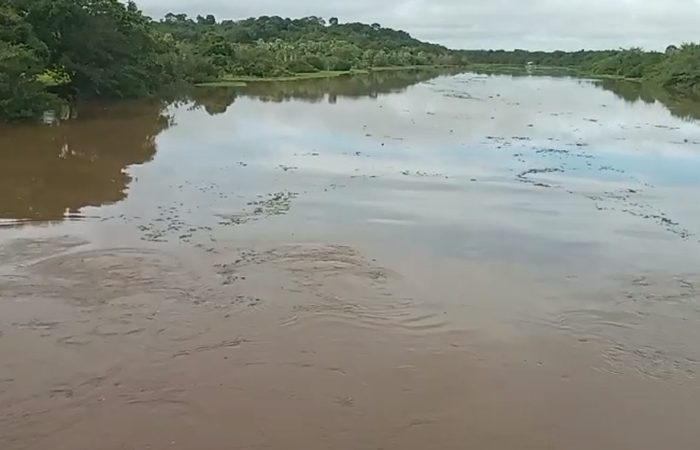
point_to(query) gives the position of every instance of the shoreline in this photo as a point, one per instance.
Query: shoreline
(241, 81)
(538, 70)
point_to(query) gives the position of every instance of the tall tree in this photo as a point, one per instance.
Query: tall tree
(22, 60)
(106, 47)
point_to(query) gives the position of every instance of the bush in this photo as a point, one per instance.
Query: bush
(316, 62)
(335, 63)
(22, 95)
(301, 66)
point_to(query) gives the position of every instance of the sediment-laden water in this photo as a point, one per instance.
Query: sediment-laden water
(404, 260)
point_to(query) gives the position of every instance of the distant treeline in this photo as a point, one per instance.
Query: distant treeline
(677, 68)
(56, 49)
(275, 46)
(51, 49)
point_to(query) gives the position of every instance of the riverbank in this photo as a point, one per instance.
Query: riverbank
(240, 81)
(236, 81)
(547, 70)
(511, 69)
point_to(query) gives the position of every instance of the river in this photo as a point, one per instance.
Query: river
(401, 260)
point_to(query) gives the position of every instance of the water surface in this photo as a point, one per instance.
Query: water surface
(496, 261)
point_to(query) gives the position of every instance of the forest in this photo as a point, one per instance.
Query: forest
(56, 49)
(53, 50)
(678, 68)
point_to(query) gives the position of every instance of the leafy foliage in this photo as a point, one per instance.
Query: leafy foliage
(275, 46)
(108, 48)
(22, 59)
(677, 68)
(680, 69)
(632, 63)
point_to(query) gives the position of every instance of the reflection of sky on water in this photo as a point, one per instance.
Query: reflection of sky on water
(430, 129)
(461, 163)
(538, 168)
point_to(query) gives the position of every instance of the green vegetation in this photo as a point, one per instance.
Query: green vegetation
(22, 60)
(57, 49)
(240, 81)
(244, 80)
(676, 69)
(52, 50)
(275, 47)
(78, 48)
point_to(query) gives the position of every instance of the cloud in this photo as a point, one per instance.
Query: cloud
(528, 24)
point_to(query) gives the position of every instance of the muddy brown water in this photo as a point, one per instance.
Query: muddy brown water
(400, 261)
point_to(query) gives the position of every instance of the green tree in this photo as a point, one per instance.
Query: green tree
(108, 48)
(208, 20)
(22, 61)
(22, 95)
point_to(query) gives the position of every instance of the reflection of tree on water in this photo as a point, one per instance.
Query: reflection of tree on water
(48, 171)
(330, 89)
(214, 100)
(680, 105)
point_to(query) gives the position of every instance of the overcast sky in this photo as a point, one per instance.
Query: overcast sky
(528, 24)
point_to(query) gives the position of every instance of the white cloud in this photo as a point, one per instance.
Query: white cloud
(530, 24)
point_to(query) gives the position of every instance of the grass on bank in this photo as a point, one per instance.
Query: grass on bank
(241, 81)
(238, 81)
